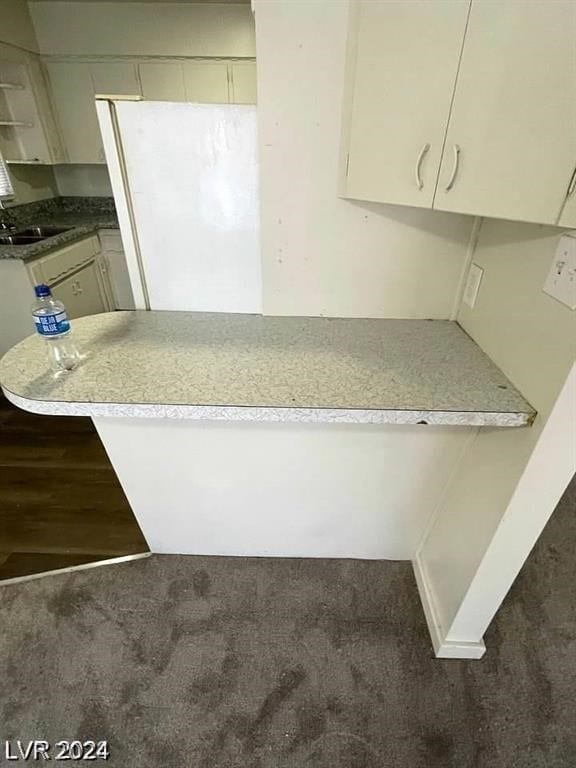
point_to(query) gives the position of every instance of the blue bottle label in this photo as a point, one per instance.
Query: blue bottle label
(52, 325)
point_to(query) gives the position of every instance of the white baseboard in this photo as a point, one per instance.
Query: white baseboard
(443, 648)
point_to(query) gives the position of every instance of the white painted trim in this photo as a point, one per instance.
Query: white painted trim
(116, 170)
(443, 648)
(82, 567)
(431, 520)
(545, 477)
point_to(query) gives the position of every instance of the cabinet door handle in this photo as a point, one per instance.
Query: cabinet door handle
(423, 151)
(454, 168)
(79, 287)
(572, 184)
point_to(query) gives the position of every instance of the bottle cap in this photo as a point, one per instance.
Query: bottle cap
(42, 290)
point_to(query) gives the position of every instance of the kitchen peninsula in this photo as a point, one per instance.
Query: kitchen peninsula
(248, 435)
(238, 367)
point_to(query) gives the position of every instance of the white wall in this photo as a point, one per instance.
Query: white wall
(16, 25)
(323, 255)
(532, 337)
(81, 180)
(144, 29)
(287, 490)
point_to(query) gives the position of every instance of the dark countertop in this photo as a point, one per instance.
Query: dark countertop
(85, 216)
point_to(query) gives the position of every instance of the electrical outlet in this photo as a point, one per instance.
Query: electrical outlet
(561, 280)
(472, 285)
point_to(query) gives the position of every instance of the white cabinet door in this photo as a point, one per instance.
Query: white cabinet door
(206, 82)
(514, 112)
(162, 81)
(406, 61)
(243, 82)
(51, 138)
(73, 87)
(120, 280)
(115, 78)
(203, 82)
(81, 292)
(103, 274)
(75, 110)
(112, 252)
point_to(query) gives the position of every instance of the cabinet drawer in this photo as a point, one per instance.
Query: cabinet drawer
(111, 241)
(69, 259)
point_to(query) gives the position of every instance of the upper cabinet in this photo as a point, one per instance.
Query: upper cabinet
(514, 112)
(406, 61)
(242, 82)
(76, 113)
(465, 107)
(115, 79)
(74, 86)
(205, 82)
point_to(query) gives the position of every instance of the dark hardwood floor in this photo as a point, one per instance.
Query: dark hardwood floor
(60, 501)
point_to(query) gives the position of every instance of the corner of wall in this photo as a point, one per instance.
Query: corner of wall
(16, 25)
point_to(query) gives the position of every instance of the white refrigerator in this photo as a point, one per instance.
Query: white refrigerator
(185, 183)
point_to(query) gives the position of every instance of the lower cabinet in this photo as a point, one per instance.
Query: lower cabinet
(82, 292)
(78, 276)
(89, 276)
(76, 273)
(115, 269)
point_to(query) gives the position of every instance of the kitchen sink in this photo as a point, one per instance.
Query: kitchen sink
(21, 239)
(31, 235)
(42, 232)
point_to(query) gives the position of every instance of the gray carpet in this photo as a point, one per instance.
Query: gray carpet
(225, 663)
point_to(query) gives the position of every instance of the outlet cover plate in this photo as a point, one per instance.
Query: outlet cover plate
(561, 280)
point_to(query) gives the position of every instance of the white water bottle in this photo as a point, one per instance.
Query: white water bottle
(51, 321)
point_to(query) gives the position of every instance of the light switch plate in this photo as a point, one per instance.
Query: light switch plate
(561, 280)
(473, 285)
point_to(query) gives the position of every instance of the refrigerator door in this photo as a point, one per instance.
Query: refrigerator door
(191, 177)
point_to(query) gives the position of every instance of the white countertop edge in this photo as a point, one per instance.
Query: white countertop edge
(250, 413)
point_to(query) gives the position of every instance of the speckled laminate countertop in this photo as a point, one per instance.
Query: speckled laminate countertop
(249, 367)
